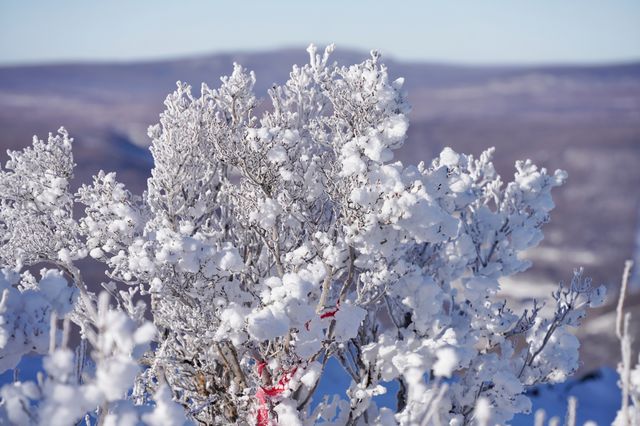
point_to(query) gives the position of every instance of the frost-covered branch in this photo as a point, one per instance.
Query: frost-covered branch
(268, 246)
(629, 413)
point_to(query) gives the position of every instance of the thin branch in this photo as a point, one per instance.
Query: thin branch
(623, 289)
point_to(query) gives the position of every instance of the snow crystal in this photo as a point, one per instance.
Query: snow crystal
(311, 374)
(277, 154)
(348, 319)
(166, 411)
(447, 362)
(449, 158)
(266, 324)
(288, 413)
(482, 411)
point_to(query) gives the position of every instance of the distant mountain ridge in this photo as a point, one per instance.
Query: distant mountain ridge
(273, 66)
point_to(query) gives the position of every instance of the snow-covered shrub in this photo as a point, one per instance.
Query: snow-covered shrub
(268, 246)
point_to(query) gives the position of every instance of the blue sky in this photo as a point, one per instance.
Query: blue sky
(459, 31)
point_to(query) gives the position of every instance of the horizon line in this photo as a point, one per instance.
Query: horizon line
(346, 49)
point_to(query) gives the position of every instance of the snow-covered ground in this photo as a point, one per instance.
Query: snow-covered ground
(597, 392)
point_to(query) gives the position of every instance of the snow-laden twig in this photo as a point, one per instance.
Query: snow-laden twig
(629, 413)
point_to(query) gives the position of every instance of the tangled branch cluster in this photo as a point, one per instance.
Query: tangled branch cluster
(267, 247)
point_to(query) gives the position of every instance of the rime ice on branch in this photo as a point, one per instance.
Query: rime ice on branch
(269, 245)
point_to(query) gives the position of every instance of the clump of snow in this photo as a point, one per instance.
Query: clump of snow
(447, 362)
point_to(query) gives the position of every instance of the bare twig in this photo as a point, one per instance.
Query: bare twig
(571, 412)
